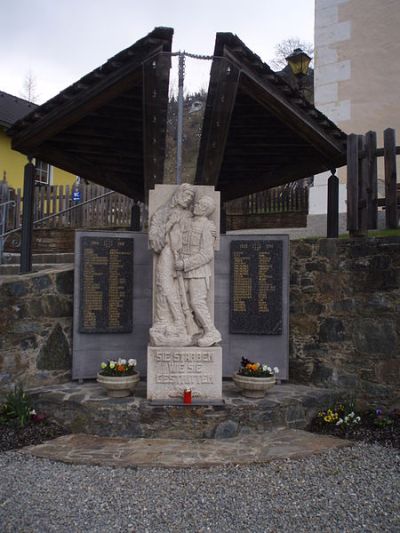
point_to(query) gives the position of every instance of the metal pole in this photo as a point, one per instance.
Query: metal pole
(180, 118)
(27, 219)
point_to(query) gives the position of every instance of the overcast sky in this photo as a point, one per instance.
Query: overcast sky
(59, 41)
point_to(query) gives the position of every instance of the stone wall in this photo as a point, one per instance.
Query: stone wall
(344, 319)
(35, 328)
(345, 315)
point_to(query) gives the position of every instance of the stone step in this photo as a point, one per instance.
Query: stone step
(173, 453)
(14, 259)
(12, 270)
(85, 408)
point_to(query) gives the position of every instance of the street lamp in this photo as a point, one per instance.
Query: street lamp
(298, 61)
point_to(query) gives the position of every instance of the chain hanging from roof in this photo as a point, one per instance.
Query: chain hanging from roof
(181, 80)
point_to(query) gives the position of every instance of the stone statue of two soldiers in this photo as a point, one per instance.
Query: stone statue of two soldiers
(183, 238)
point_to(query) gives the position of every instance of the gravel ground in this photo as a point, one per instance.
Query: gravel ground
(354, 489)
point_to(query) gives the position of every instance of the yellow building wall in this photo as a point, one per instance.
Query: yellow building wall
(12, 163)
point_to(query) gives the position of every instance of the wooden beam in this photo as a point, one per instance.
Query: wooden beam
(248, 182)
(27, 219)
(372, 170)
(89, 171)
(363, 187)
(155, 106)
(295, 119)
(332, 225)
(117, 76)
(72, 111)
(108, 153)
(224, 79)
(381, 151)
(389, 141)
(102, 142)
(352, 183)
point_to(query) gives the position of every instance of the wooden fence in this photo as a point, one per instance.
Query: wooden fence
(362, 182)
(277, 207)
(107, 211)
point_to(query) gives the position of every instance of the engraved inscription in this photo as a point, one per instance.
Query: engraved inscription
(256, 287)
(184, 368)
(106, 285)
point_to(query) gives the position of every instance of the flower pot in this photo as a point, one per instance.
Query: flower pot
(119, 386)
(253, 387)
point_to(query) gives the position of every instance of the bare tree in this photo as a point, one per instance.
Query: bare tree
(29, 91)
(285, 48)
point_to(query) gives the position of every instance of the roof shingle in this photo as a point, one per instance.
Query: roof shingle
(13, 108)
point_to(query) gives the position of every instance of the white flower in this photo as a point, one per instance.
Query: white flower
(357, 419)
(122, 361)
(103, 365)
(33, 412)
(132, 362)
(276, 370)
(340, 421)
(265, 368)
(112, 364)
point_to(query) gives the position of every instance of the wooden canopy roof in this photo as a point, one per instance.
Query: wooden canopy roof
(109, 127)
(259, 132)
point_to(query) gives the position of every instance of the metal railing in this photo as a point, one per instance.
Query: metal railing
(4, 235)
(3, 218)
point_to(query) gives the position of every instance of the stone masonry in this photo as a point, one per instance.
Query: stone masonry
(344, 320)
(35, 328)
(345, 315)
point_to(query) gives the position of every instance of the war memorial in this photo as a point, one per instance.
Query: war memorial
(177, 294)
(242, 287)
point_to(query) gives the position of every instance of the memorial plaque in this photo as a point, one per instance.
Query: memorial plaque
(170, 370)
(106, 285)
(256, 287)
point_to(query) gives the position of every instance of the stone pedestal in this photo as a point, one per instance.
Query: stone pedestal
(170, 370)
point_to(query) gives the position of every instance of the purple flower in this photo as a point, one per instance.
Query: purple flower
(378, 412)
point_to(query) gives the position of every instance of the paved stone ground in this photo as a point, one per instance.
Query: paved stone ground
(245, 449)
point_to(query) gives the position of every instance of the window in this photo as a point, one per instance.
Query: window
(43, 172)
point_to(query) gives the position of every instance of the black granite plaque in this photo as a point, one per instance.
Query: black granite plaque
(256, 287)
(106, 285)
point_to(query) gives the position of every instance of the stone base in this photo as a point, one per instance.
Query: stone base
(86, 409)
(170, 370)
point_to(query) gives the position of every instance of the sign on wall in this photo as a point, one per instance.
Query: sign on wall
(106, 285)
(256, 287)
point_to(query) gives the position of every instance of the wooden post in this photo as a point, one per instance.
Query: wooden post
(222, 223)
(135, 217)
(362, 189)
(389, 148)
(333, 206)
(27, 218)
(372, 188)
(352, 185)
(155, 104)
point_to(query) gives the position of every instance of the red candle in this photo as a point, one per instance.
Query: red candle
(187, 396)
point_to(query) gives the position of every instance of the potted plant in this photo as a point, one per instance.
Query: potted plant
(119, 378)
(254, 379)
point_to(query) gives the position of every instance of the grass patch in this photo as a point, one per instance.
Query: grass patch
(376, 233)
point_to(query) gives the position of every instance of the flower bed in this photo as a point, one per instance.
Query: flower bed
(13, 437)
(20, 425)
(374, 425)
